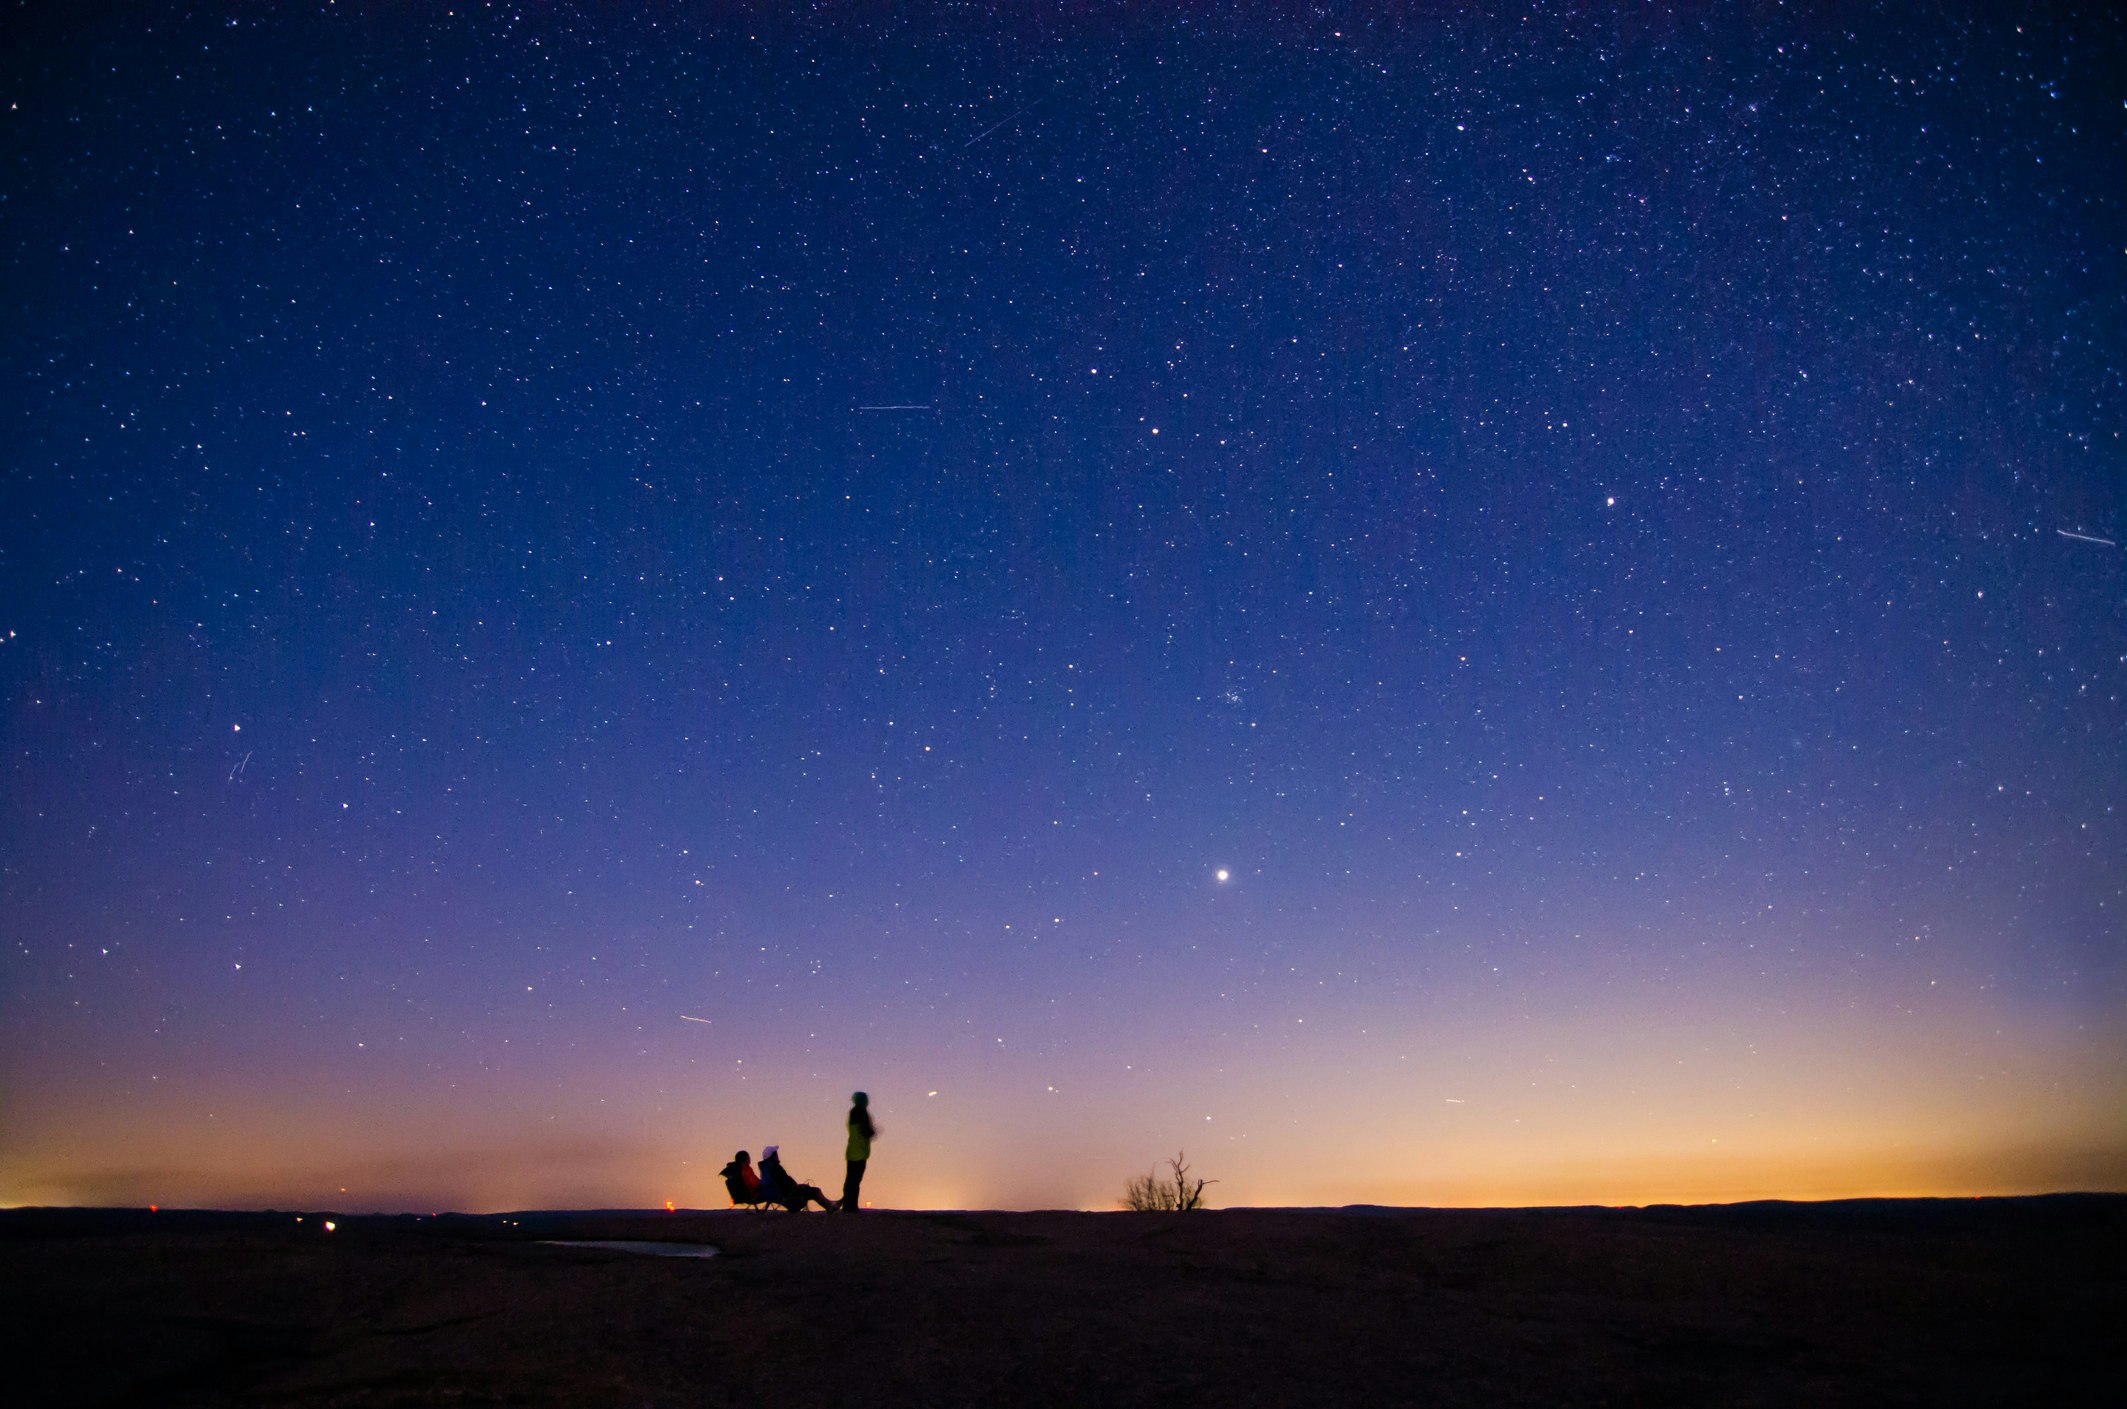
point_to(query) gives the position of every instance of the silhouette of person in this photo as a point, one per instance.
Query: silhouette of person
(858, 1153)
(740, 1181)
(777, 1187)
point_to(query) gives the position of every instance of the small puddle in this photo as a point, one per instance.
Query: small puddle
(625, 1245)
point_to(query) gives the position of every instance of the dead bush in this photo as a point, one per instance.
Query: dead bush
(1173, 1192)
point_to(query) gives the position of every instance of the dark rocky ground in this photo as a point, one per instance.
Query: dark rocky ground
(2012, 1301)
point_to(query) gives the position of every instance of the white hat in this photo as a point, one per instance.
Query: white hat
(769, 1153)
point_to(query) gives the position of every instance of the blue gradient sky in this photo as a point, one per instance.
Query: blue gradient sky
(576, 588)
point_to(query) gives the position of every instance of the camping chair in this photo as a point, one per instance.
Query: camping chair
(744, 1195)
(794, 1195)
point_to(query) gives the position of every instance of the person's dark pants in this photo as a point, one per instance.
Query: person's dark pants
(851, 1182)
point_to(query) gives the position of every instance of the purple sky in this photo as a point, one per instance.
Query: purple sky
(1454, 609)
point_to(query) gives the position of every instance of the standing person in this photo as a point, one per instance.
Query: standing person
(861, 1131)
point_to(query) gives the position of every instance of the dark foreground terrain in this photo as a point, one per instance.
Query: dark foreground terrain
(1997, 1302)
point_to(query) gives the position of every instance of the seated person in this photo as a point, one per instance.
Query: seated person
(777, 1187)
(740, 1181)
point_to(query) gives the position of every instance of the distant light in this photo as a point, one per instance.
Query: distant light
(154, 1208)
(1224, 875)
(330, 1225)
(669, 1208)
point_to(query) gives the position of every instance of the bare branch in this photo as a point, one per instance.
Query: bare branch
(1176, 1193)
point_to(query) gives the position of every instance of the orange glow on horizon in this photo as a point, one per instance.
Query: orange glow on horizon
(1661, 1102)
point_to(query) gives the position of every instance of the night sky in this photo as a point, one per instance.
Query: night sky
(1432, 607)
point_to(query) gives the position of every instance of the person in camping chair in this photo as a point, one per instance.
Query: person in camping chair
(740, 1181)
(777, 1187)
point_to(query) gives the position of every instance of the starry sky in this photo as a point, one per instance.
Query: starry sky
(1430, 606)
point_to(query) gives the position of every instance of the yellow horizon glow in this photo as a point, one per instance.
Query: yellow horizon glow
(1639, 1100)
